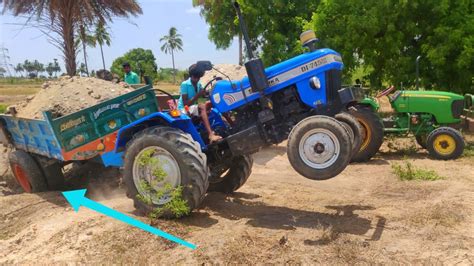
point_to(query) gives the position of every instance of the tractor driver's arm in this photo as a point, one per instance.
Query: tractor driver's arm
(193, 100)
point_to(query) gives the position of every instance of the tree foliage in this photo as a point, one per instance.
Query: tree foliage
(274, 25)
(172, 42)
(387, 36)
(142, 62)
(60, 19)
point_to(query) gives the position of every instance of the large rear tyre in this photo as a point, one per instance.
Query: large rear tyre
(319, 147)
(52, 171)
(230, 179)
(445, 143)
(165, 172)
(372, 133)
(27, 172)
(354, 128)
(421, 140)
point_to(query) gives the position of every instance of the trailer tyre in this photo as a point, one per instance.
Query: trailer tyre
(319, 147)
(445, 143)
(27, 172)
(372, 133)
(234, 177)
(354, 128)
(165, 172)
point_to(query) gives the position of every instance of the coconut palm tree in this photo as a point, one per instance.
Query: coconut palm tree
(86, 39)
(172, 42)
(102, 37)
(60, 19)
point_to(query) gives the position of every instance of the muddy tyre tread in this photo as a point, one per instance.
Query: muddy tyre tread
(32, 169)
(236, 177)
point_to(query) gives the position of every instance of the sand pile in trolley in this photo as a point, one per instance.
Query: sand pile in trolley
(67, 95)
(235, 72)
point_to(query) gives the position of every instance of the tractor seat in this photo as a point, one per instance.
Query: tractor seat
(384, 105)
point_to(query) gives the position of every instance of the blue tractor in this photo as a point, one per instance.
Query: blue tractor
(169, 164)
(299, 100)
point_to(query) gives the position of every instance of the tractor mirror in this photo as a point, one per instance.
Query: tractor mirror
(204, 65)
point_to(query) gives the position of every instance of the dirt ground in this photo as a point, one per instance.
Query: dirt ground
(364, 215)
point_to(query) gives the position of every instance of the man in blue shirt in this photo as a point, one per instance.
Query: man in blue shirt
(191, 90)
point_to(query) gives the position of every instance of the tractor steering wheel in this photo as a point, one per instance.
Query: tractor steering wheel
(386, 92)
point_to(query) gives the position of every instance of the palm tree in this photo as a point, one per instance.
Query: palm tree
(102, 37)
(172, 42)
(60, 19)
(86, 39)
(19, 69)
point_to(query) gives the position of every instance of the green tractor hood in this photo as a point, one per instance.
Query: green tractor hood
(446, 107)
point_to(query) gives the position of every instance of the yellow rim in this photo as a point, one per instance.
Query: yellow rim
(444, 144)
(366, 135)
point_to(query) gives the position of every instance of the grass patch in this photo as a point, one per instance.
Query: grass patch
(407, 171)
(3, 108)
(444, 213)
(13, 90)
(469, 150)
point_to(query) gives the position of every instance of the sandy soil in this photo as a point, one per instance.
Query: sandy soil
(364, 215)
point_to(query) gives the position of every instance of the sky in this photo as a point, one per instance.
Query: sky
(143, 31)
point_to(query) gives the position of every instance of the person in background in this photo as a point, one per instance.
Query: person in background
(190, 92)
(130, 76)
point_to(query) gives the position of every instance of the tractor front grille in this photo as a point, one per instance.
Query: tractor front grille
(333, 84)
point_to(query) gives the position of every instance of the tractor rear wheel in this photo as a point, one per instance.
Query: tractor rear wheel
(445, 143)
(165, 172)
(233, 177)
(372, 133)
(319, 147)
(354, 128)
(27, 172)
(421, 140)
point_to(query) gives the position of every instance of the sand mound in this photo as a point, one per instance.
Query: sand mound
(67, 95)
(235, 72)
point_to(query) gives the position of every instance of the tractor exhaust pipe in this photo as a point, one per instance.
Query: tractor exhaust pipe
(417, 62)
(254, 66)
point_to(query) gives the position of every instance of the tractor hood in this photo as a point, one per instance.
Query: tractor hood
(433, 94)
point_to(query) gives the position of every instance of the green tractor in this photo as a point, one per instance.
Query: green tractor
(431, 116)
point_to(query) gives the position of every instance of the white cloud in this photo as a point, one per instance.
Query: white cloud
(193, 10)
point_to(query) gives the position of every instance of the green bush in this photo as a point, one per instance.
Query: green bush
(3, 108)
(166, 75)
(407, 171)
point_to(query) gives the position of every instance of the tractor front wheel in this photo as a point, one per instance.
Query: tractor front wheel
(354, 128)
(319, 147)
(372, 133)
(232, 178)
(445, 143)
(165, 172)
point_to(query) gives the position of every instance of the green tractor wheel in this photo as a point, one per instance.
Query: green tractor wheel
(372, 133)
(445, 143)
(421, 140)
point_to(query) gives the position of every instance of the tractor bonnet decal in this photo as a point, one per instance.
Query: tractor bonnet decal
(230, 98)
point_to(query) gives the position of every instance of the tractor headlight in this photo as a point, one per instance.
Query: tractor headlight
(315, 83)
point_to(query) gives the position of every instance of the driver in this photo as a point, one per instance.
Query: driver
(190, 92)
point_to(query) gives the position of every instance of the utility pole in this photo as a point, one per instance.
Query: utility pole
(5, 60)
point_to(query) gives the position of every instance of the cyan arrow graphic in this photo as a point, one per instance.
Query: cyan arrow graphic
(77, 199)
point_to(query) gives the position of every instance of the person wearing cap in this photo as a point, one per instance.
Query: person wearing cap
(190, 92)
(130, 76)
